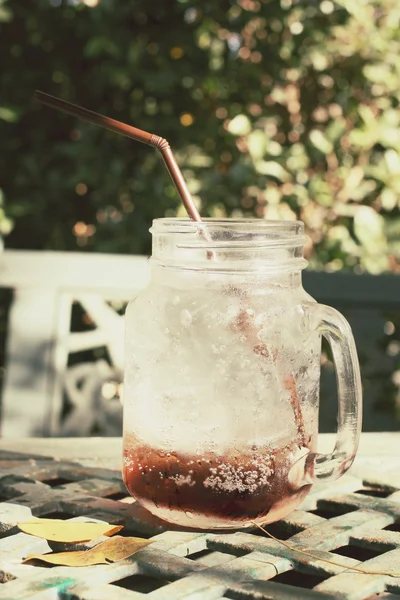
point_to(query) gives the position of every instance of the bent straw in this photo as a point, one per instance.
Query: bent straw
(132, 132)
(163, 146)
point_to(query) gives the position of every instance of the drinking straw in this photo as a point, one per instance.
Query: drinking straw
(132, 132)
(163, 146)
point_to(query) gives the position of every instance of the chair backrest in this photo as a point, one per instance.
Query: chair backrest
(42, 395)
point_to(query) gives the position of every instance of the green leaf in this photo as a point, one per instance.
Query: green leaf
(377, 73)
(363, 190)
(390, 136)
(6, 224)
(272, 168)
(367, 115)
(369, 229)
(101, 45)
(256, 143)
(364, 138)
(8, 114)
(318, 139)
(336, 129)
(6, 14)
(240, 125)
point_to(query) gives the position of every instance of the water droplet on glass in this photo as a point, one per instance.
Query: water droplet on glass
(221, 367)
(243, 339)
(189, 514)
(250, 312)
(176, 300)
(263, 335)
(172, 517)
(186, 318)
(166, 331)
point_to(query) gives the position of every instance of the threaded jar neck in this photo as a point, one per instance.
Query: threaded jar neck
(251, 245)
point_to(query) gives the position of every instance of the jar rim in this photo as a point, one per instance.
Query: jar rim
(231, 243)
(212, 233)
(218, 234)
(184, 224)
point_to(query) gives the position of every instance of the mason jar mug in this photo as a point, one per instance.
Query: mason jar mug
(222, 372)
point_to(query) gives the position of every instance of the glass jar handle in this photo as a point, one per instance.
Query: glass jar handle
(335, 328)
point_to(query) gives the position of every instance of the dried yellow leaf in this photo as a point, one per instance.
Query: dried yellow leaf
(57, 530)
(116, 548)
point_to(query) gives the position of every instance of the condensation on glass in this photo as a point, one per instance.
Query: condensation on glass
(222, 375)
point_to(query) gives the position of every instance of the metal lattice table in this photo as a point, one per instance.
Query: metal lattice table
(354, 522)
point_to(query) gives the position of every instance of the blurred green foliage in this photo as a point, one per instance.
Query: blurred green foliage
(275, 109)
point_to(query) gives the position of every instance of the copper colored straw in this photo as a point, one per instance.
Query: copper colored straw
(163, 146)
(132, 132)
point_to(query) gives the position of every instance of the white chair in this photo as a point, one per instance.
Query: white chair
(43, 396)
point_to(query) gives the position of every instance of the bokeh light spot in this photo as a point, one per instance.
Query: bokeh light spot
(186, 119)
(176, 52)
(81, 189)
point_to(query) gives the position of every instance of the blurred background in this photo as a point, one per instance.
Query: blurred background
(275, 109)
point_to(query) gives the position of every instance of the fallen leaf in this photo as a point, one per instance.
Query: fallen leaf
(109, 551)
(57, 530)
